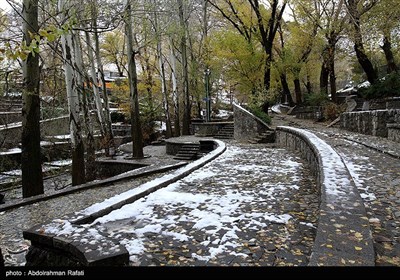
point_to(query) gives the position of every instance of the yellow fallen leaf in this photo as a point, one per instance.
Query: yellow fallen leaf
(358, 235)
(357, 248)
(329, 245)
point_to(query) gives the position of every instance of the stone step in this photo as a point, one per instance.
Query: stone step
(265, 137)
(188, 152)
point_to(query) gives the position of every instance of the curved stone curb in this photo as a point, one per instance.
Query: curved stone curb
(343, 234)
(73, 241)
(136, 173)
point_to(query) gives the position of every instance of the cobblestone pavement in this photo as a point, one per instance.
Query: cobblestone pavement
(252, 206)
(377, 177)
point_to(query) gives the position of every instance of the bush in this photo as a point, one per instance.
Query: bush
(389, 86)
(259, 113)
(332, 111)
(315, 99)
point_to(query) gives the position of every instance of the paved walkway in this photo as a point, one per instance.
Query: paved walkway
(252, 206)
(374, 164)
(244, 208)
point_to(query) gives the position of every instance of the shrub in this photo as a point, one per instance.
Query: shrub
(316, 99)
(259, 113)
(389, 86)
(332, 111)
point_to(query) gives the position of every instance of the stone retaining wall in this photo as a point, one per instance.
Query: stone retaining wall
(247, 126)
(383, 104)
(370, 122)
(343, 235)
(11, 134)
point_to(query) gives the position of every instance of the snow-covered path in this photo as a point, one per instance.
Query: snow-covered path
(251, 206)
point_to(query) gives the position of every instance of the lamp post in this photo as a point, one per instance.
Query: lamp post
(208, 97)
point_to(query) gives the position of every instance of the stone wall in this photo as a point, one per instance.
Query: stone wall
(247, 126)
(370, 122)
(11, 135)
(382, 104)
(342, 212)
(207, 129)
(394, 132)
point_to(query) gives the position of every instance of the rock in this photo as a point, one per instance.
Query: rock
(270, 247)
(374, 220)
(397, 214)
(252, 242)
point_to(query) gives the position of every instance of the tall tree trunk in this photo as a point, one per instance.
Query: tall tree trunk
(332, 80)
(185, 73)
(175, 93)
(80, 73)
(286, 91)
(147, 68)
(90, 141)
(324, 75)
(387, 49)
(163, 79)
(137, 136)
(32, 177)
(331, 51)
(78, 159)
(308, 84)
(95, 87)
(297, 90)
(109, 137)
(358, 42)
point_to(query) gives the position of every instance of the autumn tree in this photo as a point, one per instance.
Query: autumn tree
(357, 8)
(265, 27)
(384, 22)
(329, 17)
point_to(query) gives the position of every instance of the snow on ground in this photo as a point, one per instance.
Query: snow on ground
(355, 171)
(213, 199)
(123, 196)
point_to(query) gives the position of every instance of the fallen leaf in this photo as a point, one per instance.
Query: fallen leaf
(358, 235)
(357, 248)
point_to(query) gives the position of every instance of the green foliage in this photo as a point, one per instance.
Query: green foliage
(387, 87)
(315, 99)
(237, 60)
(259, 113)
